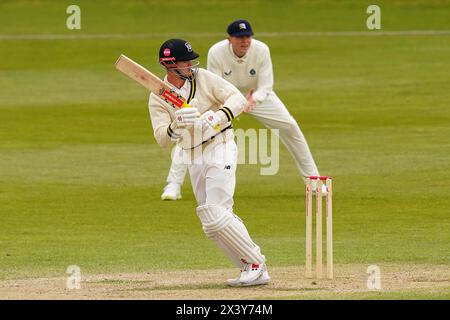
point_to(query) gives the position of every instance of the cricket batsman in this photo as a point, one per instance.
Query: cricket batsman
(204, 134)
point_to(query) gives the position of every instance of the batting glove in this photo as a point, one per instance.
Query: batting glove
(211, 119)
(186, 117)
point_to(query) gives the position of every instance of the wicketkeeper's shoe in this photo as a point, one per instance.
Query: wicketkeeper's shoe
(171, 192)
(314, 188)
(262, 279)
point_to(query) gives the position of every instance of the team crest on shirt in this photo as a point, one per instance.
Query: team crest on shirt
(252, 72)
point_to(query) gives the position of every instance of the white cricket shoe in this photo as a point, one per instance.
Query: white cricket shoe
(171, 192)
(264, 278)
(314, 188)
(251, 275)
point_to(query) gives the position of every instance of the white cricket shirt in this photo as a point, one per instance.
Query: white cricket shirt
(254, 70)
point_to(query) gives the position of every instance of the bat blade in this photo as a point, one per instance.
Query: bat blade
(150, 81)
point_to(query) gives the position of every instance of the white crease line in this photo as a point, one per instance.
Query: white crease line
(220, 34)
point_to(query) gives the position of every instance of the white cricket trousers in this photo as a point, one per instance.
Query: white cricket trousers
(178, 167)
(213, 175)
(274, 115)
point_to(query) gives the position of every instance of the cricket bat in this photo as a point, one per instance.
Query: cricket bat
(150, 81)
(143, 76)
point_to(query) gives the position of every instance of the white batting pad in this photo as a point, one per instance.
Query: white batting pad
(230, 234)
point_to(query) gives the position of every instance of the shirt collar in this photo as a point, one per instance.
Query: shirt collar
(183, 91)
(185, 84)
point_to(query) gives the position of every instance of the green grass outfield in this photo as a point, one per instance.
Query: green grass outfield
(81, 174)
